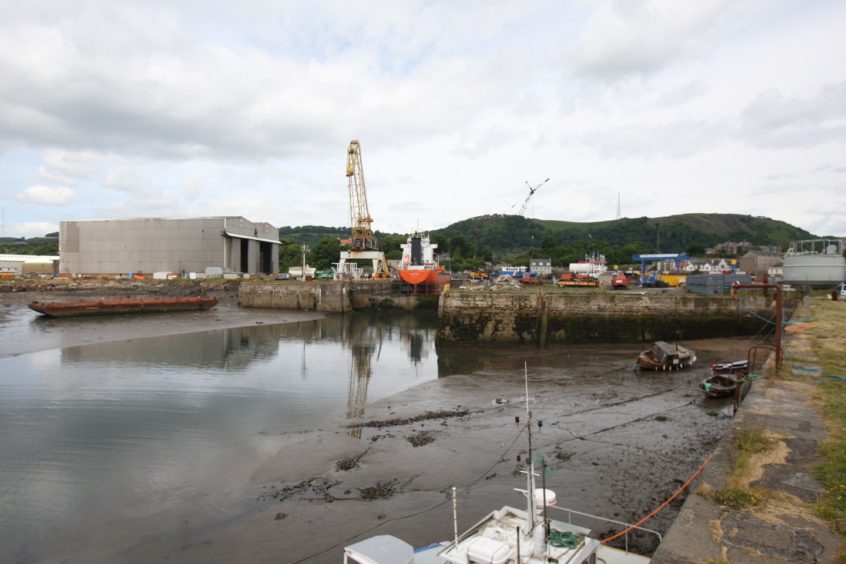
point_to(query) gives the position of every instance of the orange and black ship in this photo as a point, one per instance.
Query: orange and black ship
(418, 266)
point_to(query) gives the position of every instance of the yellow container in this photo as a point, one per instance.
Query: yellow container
(674, 280)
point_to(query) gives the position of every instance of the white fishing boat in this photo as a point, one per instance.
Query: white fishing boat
(508, 536)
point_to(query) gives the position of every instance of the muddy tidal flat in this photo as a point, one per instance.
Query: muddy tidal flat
(390, 422)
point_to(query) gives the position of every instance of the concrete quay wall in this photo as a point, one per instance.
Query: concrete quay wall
(582, 316)
(328, 296)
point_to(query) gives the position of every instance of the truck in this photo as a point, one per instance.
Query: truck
(577, 281)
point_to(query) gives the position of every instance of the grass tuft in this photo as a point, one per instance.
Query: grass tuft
(738, 498)
(827, 337)
(750, 443)
(736, 493)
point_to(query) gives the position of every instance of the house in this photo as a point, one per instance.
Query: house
(542, 266)
(730, 248)
(757, 262)
(707, 266)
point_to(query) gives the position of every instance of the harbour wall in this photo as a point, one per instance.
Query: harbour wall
(329, 296)
(584, 316)
(314, 295)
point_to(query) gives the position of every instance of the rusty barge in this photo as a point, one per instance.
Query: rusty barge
(118, 306)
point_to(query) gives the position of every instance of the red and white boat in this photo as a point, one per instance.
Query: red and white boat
(418, 265)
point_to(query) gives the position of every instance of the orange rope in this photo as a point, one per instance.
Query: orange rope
(662, 506)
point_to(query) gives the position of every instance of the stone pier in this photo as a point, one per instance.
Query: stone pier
(329, 296)
(586, 315)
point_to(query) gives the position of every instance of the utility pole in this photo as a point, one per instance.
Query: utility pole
(304, 250)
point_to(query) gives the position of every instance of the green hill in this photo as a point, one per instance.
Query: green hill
(678, 232)
(312, 234)
(513, 238)
(674, 233)
(31, 246)
(516, 239)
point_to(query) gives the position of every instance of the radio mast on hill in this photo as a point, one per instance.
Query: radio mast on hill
(619, 207)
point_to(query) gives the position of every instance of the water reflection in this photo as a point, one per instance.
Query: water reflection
(157, 424)
(236, 349)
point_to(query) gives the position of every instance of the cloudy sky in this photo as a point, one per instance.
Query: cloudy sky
(136, 109)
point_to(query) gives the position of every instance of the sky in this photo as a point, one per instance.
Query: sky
(113, 109)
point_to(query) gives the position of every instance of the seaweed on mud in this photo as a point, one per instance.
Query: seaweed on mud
(421, 438)
(382, 490)
(429, 415)
(318, 486)
(350, 462)
(563, 455)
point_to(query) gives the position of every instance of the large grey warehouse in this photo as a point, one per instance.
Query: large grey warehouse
(115, 246)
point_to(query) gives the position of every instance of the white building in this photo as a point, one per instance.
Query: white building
(29, 264)
(542, 266)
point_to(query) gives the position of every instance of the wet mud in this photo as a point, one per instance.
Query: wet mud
(615, 443)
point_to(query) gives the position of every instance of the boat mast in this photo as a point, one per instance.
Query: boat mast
(530, 477)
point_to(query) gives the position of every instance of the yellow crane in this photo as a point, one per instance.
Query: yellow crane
(360, 220)
(363, 242)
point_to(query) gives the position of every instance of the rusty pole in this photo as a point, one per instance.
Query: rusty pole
(779, 324)
(779, 314)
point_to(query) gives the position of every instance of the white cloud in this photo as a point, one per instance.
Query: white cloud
(177, 109)
(46, 195)
(774, 120)
(69, 167)
(675, 140)
(31, 229)
(624, 38)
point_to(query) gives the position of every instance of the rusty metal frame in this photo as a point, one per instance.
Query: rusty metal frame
(779, 316)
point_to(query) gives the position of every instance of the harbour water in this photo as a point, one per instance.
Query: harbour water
(181, 447)
(91, 434)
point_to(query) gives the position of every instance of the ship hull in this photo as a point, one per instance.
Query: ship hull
(423, 276)
(119, 306)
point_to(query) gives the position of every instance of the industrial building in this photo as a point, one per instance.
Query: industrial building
(119, 246)
(29, 264)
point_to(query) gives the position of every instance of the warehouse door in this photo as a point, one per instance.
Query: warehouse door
(245, 255)
(266, 258)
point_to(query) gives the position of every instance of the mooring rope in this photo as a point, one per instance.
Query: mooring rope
(662, 506)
